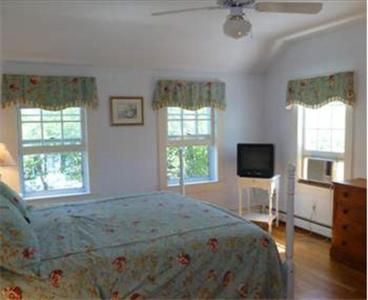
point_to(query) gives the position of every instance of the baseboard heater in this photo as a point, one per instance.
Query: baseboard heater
(307, 220)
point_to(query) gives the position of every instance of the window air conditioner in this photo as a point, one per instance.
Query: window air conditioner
(319, 169)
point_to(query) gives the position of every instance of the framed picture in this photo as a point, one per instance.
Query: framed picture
(126, 111)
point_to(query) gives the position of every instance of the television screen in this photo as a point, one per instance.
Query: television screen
(256, 160)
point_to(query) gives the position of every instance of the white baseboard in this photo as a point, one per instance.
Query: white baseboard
(310, 225)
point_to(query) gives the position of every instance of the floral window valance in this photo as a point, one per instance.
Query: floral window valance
(190, 95)
(318, 91)
(48, 92)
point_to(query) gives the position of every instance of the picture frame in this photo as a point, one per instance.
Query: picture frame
(126, 111)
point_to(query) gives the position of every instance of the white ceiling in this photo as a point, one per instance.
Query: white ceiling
(124, 34)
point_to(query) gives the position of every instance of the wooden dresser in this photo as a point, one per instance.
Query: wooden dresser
(349, 223)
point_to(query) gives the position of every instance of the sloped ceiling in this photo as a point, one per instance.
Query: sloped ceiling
(124, 34)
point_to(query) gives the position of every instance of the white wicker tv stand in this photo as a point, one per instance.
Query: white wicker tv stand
(271, 185)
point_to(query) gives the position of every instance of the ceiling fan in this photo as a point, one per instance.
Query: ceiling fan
(237, 26)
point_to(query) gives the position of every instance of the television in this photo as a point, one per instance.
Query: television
(256, 160)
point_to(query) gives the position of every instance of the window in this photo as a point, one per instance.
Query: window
(195, 132)
(53, 151)
(324, 137)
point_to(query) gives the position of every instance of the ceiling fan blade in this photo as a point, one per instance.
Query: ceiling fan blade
(289, 7)
(178, 11)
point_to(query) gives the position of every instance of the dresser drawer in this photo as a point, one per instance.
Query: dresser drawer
(349, 213)
(349, 230)
(350, 197)
(353, 248)
(355, 259)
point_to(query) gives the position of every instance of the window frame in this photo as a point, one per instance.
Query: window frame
(80, 148)
(164, 142)
(303, 153)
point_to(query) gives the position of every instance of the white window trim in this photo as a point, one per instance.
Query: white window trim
(216, 157)
(83, 147)
(347, 156)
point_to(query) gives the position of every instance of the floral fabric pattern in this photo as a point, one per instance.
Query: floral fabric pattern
(190, 95)
(318, 91)
(19, 248)
(48, 92)
(145, 247)
(15, 199)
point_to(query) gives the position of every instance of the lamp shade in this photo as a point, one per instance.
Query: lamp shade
(236, 26)
(5, 158)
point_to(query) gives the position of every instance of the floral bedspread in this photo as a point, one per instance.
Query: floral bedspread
(157, 245)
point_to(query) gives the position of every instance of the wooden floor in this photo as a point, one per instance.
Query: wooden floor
(316, 276)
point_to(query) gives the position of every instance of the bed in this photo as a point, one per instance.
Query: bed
(157, 245)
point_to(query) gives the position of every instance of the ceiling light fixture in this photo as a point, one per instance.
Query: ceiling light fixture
(236, 26)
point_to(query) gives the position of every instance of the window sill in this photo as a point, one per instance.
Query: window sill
(57, 196)
(316, 183)
(197, 187)
(205, 182)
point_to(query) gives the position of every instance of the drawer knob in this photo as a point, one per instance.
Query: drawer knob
(345, 211)
(344, 227)
(344, 243)
(346, 194)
